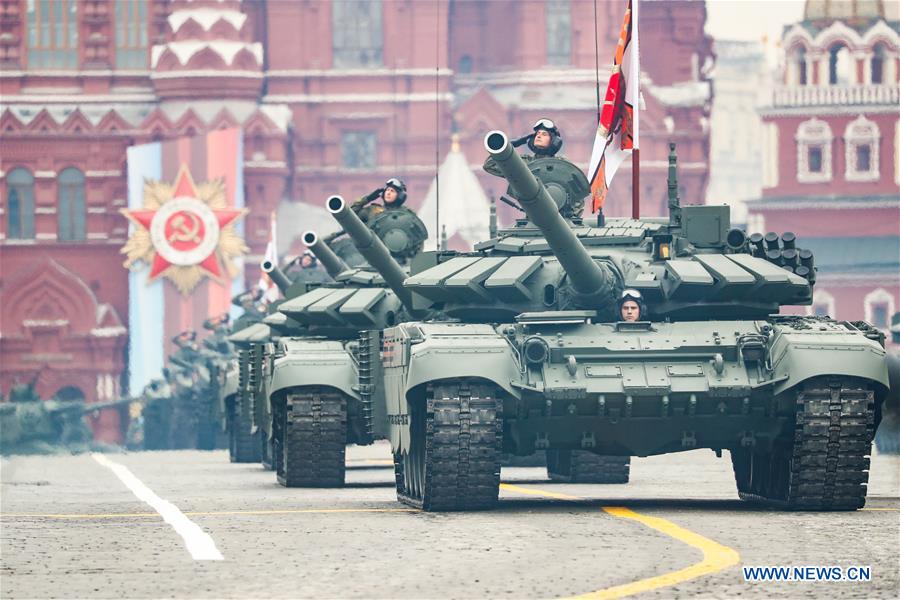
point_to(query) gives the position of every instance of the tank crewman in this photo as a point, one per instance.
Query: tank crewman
(393, 195)
(631, 305)
(545, 141)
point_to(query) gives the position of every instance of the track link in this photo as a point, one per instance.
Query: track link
(315, 438)
(243, 446)
(826, 466)
(581, 466)
(454, 458)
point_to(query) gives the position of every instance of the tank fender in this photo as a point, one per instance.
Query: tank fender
(798, 358)
(314, 362)
(476, 355)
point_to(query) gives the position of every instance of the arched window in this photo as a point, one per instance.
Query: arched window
(131, 34)
(71, 210)
(878, 59)
(861, 144)
(840, 65)
(465, 64)
(20, 205)
(356, 34)
(879, 305)
(814, 139)
(559, 32)
(823, 304)
(799, 75)
(52, 31)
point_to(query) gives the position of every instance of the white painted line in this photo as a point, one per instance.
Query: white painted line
(198, 542)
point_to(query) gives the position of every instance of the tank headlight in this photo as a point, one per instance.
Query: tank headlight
(536, 351)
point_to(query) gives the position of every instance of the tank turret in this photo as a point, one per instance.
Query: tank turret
(586, 276)
(371, 247)
(322, 251)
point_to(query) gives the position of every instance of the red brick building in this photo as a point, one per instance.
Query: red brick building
(332, 97)
(831, 166)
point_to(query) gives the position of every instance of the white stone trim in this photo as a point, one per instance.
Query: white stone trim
(879, 296)
(74, 74)
(206, 17)
(810, 134)
(97, 236)
(45, 174)
(826, 110)
(208, 73)
(821, 296)
(830, 205)
(184, 50)
(45, 236)
(69, 100)
(861, 132)
(359, 98)
(331, 73)
(110, 173)
(45, 210)
(265, 164)
(96, 210)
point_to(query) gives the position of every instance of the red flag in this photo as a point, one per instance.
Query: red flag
(617, 130)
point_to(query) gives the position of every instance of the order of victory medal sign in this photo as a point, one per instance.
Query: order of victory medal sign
(185, 232)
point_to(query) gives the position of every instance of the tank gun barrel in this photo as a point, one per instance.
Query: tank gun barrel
(331, 261)
(371, 247)
(276, 274)
(586, 276)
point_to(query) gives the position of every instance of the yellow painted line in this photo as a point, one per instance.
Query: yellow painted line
(210, 513)
(880, 509)
(716, 557)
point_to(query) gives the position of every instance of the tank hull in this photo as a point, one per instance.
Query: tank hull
(635, 389)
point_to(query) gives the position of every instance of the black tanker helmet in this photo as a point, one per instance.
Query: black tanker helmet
(399, 187)
(635, 295)
(555, 138)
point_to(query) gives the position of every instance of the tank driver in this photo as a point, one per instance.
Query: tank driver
(631, 305)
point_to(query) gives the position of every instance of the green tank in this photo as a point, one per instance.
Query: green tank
(795, 400)
(887, 438)
(29, 425)
(323, 373)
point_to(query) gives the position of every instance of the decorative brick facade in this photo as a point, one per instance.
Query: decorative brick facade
(831, 167)
(332, 97)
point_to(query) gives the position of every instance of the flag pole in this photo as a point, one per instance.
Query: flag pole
(635, 184)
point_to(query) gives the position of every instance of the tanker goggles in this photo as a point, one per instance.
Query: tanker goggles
(631, 294)
(547, 124)
(394, 183)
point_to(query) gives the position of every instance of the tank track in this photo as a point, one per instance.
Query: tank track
(581, 466)
(315, 439)
(826, 466)
(460, 432)
(243, 446)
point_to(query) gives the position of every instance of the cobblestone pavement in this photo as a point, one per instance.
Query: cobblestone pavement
(72, 529)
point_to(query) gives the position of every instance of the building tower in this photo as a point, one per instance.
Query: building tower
(831, 167)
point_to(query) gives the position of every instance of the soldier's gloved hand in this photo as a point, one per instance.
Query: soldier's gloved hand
(374, 195)
(520, 141)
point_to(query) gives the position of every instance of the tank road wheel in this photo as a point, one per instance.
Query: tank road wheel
(581, 466)
(315, 438)
(825, 465)
(243, 446)
(453, 462)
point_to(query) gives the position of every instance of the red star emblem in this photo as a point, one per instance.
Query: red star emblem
(182, 227)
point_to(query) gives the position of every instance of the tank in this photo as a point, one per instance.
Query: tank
(532, 354)
(323, 373)
(887, 438)
(29, 425)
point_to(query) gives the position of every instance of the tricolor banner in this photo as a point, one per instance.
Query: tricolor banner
(185, 244)
(617, 131)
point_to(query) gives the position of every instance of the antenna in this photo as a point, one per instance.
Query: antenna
(674, 201)
(437, 121)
